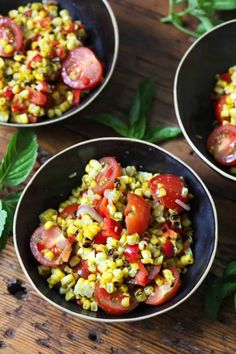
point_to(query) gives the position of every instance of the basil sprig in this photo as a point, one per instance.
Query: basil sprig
(205, 11)
(15, 167)
(139, 117)
(219, 290)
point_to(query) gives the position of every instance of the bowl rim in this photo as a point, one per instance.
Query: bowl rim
(94, 95)
(176, 104)
(116, 319)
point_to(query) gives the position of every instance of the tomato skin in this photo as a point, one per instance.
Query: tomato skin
(101, 207)
(141, 277)
(8, 93)
(168, 248)
(101, 238)
(111, 303)
(12, 32)
(69, 210)
(112, 228)
(165, 292)
(83, 62)
(132, 253)
(226, 77)
(105, 179)
(52, 239)
(221, 144)
(218, 108)
(17, 106)
(173, 186)
(137, 214)
(37, 97)
(76, 97)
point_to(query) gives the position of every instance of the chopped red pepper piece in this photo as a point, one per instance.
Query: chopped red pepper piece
(132, 253)
(168, 248)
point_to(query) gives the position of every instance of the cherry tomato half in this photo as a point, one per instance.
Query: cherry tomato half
(81, 69)
(141, 277)
(105, 179)
(218, 108)
(112, 228)
(173, 186)
(168, 248)
(12, 33)
(52, 240)
(137, 214)
(101, 207)
(111, 303)
(82, 270)
(221, 144)
(165, 292)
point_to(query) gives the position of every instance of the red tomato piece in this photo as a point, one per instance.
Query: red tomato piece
(226, 77)
(8, 93)
(52, 239)
(105, 179)
(141, 277)
(165, 292)
(18, 107)
(221, 144)
(36, 59)
(76, 97)
(32, 118)
(81, 69)
(111, 303)
(12, 33)
(101, 238)
(218, 108)
(132, 253)
(112, 228)
(37, 97)
(173, 186)
(137, 214)
(101, 207)
(69, 210)
(82, 269)
(168, 248)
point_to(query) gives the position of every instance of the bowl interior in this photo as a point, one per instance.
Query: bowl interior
(214, 53)
(54, 183)
(101, 27)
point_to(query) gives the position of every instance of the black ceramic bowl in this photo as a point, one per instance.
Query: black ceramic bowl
(54, 182)
(103, 37)
(211, 54)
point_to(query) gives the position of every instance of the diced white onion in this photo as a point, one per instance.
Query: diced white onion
(89, 210)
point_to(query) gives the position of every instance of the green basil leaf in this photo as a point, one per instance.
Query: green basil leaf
(111, 121)
(160, 133)
(230, 269)
(219, 290)
(19, 158)
(140, 112)
(222, 5)
(206, 22)
(9, 204)
(3, 218)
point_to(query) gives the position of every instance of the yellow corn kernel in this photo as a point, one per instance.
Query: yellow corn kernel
(158, 260)
(106, 277)
(146, 254)
(92, 277)
(118, 273)
(168, 275)
(94, 306)
(15, 89)
(119, 262)
(74, 260)
(125, 302)
(8, 49)
(148, 290)
(110, 288)
(49, 255)
(147, 261)
(186, 259)
(69, 295)
(154, 240)
(133, 239)
(68, 281)
(2, 63)
(159, 281)
(49, 225)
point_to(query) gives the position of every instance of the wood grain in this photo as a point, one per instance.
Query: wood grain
(31, 326)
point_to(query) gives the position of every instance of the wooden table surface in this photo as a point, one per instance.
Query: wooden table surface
(31, 326)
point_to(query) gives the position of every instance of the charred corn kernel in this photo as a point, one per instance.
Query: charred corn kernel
(110, 288)
(148, 290)
(86, 304)
(159, 280)
(92, 277)
(74, 260)
(49, 255)
(186, 260)
(133, 239)
(68, 281)
(168, 275)
(146, 254)
(48, 225)
(69, 295)
(43, 270)
(140, 295)
(94, 306)
(125, 302)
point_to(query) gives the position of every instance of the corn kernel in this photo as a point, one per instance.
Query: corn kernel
(125, 302)
(49, 225)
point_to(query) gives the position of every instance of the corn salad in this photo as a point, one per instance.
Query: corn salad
(36, 42)
(117, 247)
